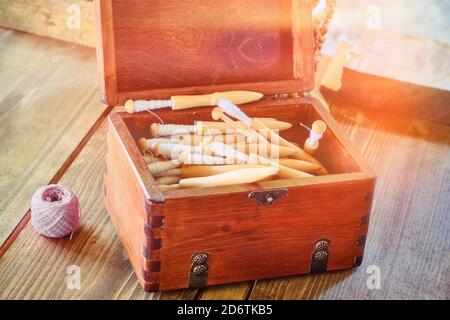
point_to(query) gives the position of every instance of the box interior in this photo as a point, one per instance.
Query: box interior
(222, 44)
(332, 154)
(210, 45)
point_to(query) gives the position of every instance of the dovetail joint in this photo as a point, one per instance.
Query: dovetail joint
(147, 274)
(155, 221)
(151, 286)
(152, 245)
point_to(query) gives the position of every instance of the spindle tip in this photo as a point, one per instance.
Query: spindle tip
(154, 129)
(142, 144)
(216, 113)
(129, 106)
(183, 157)
(319, 126)
(155, 149)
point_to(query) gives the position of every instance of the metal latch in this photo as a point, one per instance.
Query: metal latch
(319, 259)
(198, 274)
(267, 197)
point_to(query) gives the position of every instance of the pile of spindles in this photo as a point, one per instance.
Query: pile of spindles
(218, 153)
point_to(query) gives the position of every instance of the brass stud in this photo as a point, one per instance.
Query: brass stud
(322, 245)
(200, 270)
(320, 255)
(200, 258)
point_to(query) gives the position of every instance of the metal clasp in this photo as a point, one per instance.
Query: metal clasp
(267, 197)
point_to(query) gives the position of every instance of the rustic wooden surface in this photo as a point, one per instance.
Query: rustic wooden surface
(378, 69)
(409, 230)
(49, 18)
(408, 237)
(48, 103)
(106, 272)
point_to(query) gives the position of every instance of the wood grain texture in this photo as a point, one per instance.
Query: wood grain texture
(233, 291)
(54, 19)
(132, 215)
(409, 229)
(36, 267)
(241, 246)
(48, 102)
(408, 238)
(228, 45)
(258, 244)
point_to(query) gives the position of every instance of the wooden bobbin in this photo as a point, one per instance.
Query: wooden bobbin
(241, 176)
(172, 150)
(265, 150)
(195, 140)
(129, 106)
(158, 129)
(224, 127)
(162, 166)
(150, 159)
(230, 139)
(303, 155)
(187, 158)
(203, 171)
(142, 145)
(215, 148)
(252, 136)
(300, 165)
(187, 139)
(284, 172)
(169, 173)
(146, 144)
(271, 135)
(166, 187)
(168, 180)
(317, 130)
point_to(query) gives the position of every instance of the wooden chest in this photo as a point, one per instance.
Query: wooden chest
(159, 48)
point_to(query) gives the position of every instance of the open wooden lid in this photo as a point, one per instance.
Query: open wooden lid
(159, 48)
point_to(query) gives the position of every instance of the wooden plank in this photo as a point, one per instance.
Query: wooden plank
(404, 238)
(36, 267)
(48, 103)
(399, 74)
(408, 239)
(234, 291)
(409, 231)
(68, 20)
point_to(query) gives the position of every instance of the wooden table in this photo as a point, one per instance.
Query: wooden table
(409, 236)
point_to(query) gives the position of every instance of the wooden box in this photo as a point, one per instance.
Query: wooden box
(196, 237)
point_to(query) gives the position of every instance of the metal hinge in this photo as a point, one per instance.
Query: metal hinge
(319, 259)
(198, 274)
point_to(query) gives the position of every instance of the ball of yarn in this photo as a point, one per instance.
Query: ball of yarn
(55, 211)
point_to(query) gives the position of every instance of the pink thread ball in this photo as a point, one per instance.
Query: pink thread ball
(55, 211)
